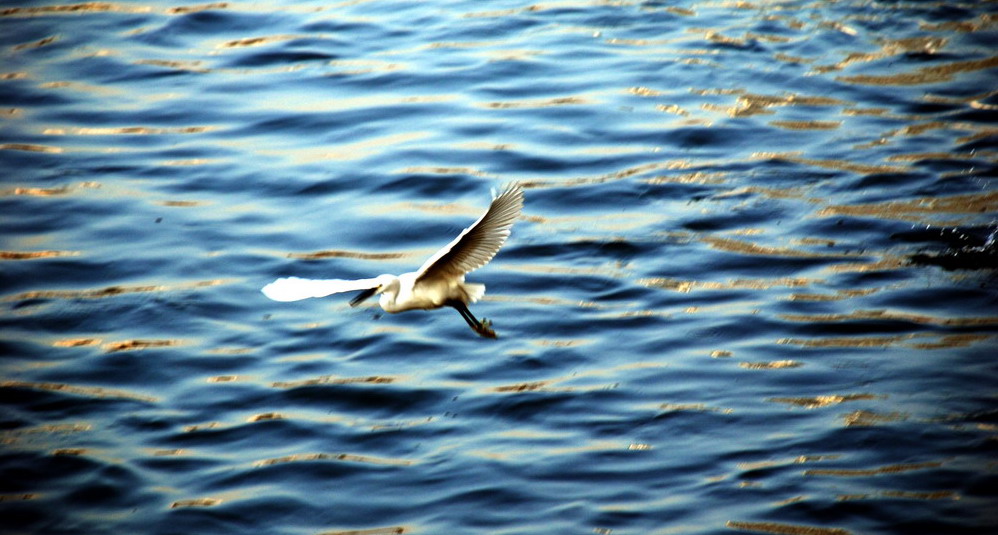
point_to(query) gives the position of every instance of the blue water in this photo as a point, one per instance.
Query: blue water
(724, 309)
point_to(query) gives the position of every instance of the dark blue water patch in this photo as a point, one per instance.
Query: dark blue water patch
(522, 161)
(341, 26)
(172, 113)
(374, 400)
(883, 187)
(57, 316)
(182, 520)
(958, 168)
(24, 94)
(865, 236)
(975, 115)
(587, 250)
(174, 464)
(857, 327)
(83, 482)
(20, 31)
(130, 369)
(47, 474)
(349, 125)
(112, 487)
(957, 300)
(281, 58)
(313, 474)
(450, 188)
(698, 137)
(740, 215)
(203, 23)
(950, 237)
(986, 143)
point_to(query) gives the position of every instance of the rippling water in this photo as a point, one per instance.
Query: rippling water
(752, 290)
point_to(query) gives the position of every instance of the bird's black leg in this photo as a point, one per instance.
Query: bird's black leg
(480, 327)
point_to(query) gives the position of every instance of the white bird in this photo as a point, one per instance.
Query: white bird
(438, 282)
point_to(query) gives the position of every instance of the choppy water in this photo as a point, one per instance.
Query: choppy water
(725, 308)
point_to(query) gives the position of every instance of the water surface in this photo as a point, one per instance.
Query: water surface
(752, 290)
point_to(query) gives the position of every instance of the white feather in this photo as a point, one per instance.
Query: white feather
(296, 289)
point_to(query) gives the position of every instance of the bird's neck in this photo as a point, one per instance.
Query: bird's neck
(389, 294)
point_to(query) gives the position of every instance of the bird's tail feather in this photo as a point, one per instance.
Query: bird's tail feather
(474, 291)
(296, 289)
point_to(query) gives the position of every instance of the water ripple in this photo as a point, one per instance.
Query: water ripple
(751, 291)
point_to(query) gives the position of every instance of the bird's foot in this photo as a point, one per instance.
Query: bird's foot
(485, 329)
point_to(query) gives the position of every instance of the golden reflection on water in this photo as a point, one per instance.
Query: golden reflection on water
(19, 497)
(31, 147)
(890, 469)
(785, 529)
(902, 494)
(546, 386)
(195, 502)
(807, 125)
(864, 418)
(942, 341)
(194, 66)
(838, 165)
(17, 255)
(761, 465)
(343, 457)
(29, 436)
(687, 286)
(887, 315)
(334, 253)
(86, 391)
(110, 291)
(923, 75)
(748, 248)
(774, 365)
(693, 407)
(258, 41)
(443, 171)
(916, 209)
(88, 7)
(839, 295)
(49, 192)
(137, 345)
(333, 380)
(126, 131)
(390, 530)
(539, 103)
(823, 401)
(750, 104)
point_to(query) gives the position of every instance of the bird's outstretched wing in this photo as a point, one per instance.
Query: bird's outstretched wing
(296, 289)
(478, 243)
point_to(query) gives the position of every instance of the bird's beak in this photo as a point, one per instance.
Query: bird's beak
(363, 296)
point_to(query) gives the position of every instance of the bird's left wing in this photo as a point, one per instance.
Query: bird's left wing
(480, 242)
(296, 289)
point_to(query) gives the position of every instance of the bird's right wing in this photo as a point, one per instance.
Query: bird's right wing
(296, 289)
(478, 243)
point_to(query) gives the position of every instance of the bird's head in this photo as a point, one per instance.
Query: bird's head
(387, 284)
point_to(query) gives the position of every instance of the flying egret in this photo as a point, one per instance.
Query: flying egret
(439, 282)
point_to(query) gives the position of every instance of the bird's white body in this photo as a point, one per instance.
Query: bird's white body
(440, 280)
(408, 292)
